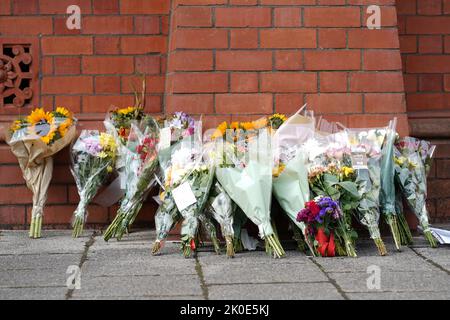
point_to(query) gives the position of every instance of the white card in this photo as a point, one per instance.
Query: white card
(165, 136)
(183, 196)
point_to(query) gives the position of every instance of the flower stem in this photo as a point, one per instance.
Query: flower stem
(404, 231)
(381, 247)
(156, 250)
(230, 247)
(427, 234)
(392, 222)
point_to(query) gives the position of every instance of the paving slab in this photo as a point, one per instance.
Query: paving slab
(45, 293)
(409, 295)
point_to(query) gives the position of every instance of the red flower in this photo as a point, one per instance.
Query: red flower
(326, 243)
(313, 207)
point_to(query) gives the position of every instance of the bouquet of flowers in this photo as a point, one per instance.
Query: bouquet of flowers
(322, 217)
(93, 156)
(387, 194)
(246, 176)
(174, 130)
(140, 164)
(366, 161)
(34, 140)
(290, 176)
(331, 175)
(412, 164)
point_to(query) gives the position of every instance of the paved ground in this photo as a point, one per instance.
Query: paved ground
(33, 269)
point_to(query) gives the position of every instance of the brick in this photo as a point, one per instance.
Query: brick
(143, 44)
(288, 60)
(198, 82)
(288, 82)
(244, 60)
(335, 102)
(427, 101)
(388, 16)
(67, 65)
(408, 44)
(105, 6)
(371, 2)
(243, 17)
(288, 102)
(447, 44)
(331, 2)
(47, 65)
(5, 9)
(442, 150)
(378, 120)
(108, 65)
(287, 2)
(165, 25)
(331, 17)
(428, 25)
(60, 6)
(384, 103)
(447, 82)
(71, 102)
(6, 156)
(431, 82)
(428, 64)
(71, 45)
(199, 2)
(26, 25)
(22, 7)
(107, 84)
(333, 60)
(332, 38)
(154, 84)
(438, 189)
(153, 103)
(101, 104)
(243, 38)
(288, 38)
(376, 82)
(204, 38)
(430, 44)
(190, 103)
(333, 81)
(147, 25)
(144, 6)
(244, 82)
(15, 195)
(11, 175)
(67, 85)
(251, 103)
(191, 61)
(406, 7)
(193, 17)
(12, 215)
(446, 6)
(411, 82)
(107, 45)
(287, 17)
(107, 25)
(443, 169)
(243, 2)
(382, 60)
(426, 7)
(148, 64)
(60, 27)
(443, 207)
(364, 38)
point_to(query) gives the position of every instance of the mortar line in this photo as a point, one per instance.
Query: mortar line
(331, 280)
(430, 261)
(203, 285)
(83, 259)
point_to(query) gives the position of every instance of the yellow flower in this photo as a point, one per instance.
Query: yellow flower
(126, 111)
(278, 170)
(16, 125)
(38, 115)
(247, 126)
(49, 137)
(109, 169)
(63, 127)
(41, 118)
(399, 161)
(260, 123)
(234, 125)
(108, 145)
(347, 171)
(102, 154)
(276, 120)
(66, 113)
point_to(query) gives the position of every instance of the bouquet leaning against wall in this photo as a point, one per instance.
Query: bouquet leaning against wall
(93, 156)
(34, 140)
(140, 164)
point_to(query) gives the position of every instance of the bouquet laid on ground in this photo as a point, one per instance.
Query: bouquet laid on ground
(93, 156)
(290, 179)
(387, 194)
(34, 140)
(174, 130)
(366, 160)
(412, 164)
(140, 159)
(331, 175)
(323, 217)
(246, 175)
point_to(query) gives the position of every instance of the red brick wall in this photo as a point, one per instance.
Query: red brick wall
(226, 59)
(424, 27)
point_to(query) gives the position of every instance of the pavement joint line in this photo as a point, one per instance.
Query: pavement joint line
(430, 261)
(83, 259)
(259, 283)
(203, 285)
(31, 287)
(330, 279)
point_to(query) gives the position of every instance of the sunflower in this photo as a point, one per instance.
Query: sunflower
(276, 120)
(234, 125)
(17, 125)
(247, 126)
(220, 131)
(260, 123)
(42, 124)
(61, 111)
(64, 127)
(126, 111)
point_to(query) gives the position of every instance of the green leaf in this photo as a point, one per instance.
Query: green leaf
(351, 188)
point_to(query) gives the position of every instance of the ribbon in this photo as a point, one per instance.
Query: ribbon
(326, 246)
